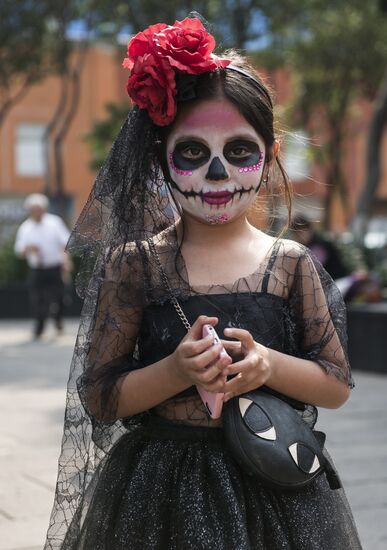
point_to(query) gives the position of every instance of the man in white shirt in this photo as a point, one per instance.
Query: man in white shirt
(41, 239)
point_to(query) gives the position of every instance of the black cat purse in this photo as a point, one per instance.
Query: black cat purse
(265, 433)
(269, 439)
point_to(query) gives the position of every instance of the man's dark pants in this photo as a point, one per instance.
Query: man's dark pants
(46, 291)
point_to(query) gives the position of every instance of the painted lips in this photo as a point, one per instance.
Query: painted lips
(221, 197)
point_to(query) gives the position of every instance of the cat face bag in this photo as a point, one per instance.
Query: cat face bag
(270, 440)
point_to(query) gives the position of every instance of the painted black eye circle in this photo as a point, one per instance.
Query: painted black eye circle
(242, 152)
(189, 155)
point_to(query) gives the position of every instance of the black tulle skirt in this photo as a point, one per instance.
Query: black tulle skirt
(170, 487)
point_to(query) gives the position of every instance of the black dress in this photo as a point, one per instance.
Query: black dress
(169, 482)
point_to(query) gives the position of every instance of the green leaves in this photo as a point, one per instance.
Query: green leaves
(102, 134)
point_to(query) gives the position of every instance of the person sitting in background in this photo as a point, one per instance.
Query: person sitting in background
(356, 286)
(303, 231)
(41, 240)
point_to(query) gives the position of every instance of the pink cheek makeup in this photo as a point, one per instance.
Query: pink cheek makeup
(176, 169)
(254, 167)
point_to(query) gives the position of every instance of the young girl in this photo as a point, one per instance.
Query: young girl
(143, 465)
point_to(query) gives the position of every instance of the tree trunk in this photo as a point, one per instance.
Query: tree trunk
(71, 108)
(334, 176)
(50, 176)
(377, 126)
(336, 118)
(240, 16)
(12, 100)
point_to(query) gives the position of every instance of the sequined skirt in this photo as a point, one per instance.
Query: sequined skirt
(174, 487)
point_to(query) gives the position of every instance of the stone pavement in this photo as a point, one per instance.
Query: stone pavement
(33, 377)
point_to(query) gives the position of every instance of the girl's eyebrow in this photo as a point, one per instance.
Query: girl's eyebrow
(240, 137)
(182, 139)
(243, 137)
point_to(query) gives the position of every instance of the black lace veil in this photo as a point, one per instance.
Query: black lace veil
(119, 281)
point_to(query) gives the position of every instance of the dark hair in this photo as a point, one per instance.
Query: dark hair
(243, 87)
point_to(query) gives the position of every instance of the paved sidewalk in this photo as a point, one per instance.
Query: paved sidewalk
(33, 377)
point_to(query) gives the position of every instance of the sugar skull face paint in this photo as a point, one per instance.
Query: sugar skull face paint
(216, 161)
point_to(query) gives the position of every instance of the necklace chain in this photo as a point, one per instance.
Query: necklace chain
(167, 285)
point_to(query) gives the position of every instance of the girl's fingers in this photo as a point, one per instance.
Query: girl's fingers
(238, 367)
(232, 345)
(235, 386)
(228, 396)
(215, 384)
(209, 373)
(204, 359)
(234, 349)
(195, 332)
(197, 347)
(242, 335)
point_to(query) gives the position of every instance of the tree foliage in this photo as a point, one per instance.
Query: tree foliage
(34, 43)
(337, 52)
(103, 132)
(25, 52)
(231, 21)
(335, 49)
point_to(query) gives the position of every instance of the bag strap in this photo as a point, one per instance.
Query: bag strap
(164, 278)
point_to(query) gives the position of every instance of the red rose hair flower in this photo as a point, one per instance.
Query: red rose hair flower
(142, 43)
(152, 86)
(188, 47)
(154, 56)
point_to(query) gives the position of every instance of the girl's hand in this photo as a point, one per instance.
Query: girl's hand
(234, 349)
(194, 354)
(253, 370)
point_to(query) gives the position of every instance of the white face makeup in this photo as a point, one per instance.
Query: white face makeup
(215, 160)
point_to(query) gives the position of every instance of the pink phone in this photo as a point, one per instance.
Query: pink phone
(213, 401)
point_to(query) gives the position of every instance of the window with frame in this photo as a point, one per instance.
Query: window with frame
(30, 155)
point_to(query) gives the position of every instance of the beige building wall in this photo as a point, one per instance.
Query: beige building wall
(102, 81)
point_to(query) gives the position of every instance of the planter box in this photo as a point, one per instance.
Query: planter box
(367, 337)
(15, 303)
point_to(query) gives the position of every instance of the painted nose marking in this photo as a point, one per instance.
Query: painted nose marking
(216, 170)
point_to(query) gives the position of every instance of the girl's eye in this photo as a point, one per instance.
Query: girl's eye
(192, 153)
(239, 152)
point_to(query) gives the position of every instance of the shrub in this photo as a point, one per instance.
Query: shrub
(12, 268)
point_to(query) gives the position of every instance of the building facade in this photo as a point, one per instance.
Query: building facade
(24, 160)
(23, 152)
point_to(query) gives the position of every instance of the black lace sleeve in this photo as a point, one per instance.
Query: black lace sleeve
(112, 343)
(319, 315)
